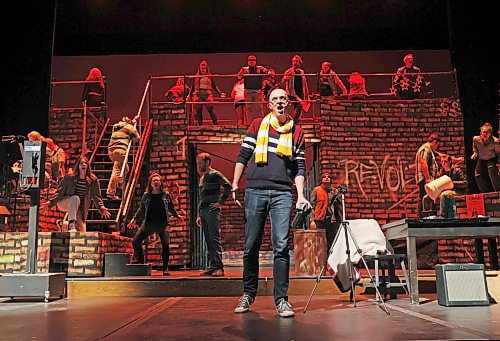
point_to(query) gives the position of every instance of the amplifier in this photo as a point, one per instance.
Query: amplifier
(461, 284)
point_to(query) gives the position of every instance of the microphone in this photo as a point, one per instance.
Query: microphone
(301, 215)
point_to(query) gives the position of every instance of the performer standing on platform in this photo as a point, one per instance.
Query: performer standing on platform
(296, 87)
(326, 214)
(426, 167)
(408, 82)
(486, 149)
(75, 194)
(121, 137)
(275, 148)
(203, 90)
(210, 201)
(152, 217)
(252, 75)
(93, 92)
(329, 83)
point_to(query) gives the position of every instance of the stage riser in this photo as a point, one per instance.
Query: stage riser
(160, 287)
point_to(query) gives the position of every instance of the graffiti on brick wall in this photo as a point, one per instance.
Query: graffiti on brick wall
(450, 107)
(391, 176)
(181, 148)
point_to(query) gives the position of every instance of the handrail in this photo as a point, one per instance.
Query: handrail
(84, 132)
(134, 175)
(136, 119)
(100, 139)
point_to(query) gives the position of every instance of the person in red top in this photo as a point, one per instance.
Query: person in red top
(326, 209)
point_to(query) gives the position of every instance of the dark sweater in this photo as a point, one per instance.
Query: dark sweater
(209, 188)
(279, 172)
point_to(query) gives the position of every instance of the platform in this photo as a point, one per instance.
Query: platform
(189, 283)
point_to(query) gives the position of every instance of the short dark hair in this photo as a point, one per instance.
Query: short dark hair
(433, 137)
(325, 174)
(204, 157)
(486, 126)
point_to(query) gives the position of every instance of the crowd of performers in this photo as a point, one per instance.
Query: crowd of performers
(273, 154)
(254, 83)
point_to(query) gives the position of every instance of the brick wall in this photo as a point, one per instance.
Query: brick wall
(369, 144)
(372, 144)
(66, 129)
(168, 156)
(76, 254)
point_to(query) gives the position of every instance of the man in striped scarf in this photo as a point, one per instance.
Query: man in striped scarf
(275, 148)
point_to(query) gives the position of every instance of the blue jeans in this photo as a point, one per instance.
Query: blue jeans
(259, 203)
(210, 224)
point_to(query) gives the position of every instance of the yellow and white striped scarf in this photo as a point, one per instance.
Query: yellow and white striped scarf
(285, 142)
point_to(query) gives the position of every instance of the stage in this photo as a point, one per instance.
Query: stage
(329, 317)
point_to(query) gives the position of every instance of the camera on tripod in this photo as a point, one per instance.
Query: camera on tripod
(300, 217)
(342, 189)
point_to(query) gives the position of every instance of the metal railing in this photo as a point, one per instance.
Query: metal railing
(138, 157)
(128, 192)
(378, 85)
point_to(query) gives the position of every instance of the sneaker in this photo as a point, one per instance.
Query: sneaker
(208, 272)
(166, 273)
(244, 303)
(218, 273)
(284, 309)
(72, 227)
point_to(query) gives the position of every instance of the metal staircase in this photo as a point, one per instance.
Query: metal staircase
(102, 167)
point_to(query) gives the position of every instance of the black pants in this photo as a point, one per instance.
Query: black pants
(145, 231)
(487, 177)
(331, 231)
(210, 225)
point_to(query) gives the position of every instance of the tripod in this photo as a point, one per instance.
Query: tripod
(347, 231)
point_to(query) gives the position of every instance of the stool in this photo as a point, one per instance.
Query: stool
(387, 283)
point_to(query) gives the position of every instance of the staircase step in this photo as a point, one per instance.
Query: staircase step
(128, 270)
(101, 170)
(109, 209)
(99, 221)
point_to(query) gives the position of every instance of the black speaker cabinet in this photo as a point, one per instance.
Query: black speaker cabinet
(461, 284)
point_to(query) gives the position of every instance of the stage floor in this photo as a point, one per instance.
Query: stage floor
(212, 318)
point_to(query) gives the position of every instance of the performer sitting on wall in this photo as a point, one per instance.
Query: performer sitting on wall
(56, 158)
(179, 92)
(152, 217)
(486, 149)
(76, 192)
